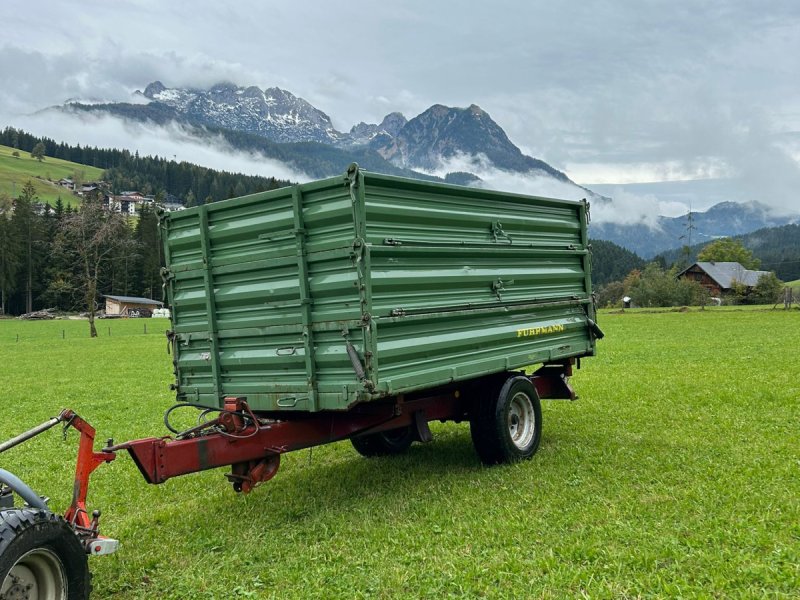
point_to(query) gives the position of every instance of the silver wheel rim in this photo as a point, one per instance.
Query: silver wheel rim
(37, 575)
(521, 421)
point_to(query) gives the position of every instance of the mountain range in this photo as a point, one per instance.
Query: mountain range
(282, 126)
(424, 143)
(721, 220)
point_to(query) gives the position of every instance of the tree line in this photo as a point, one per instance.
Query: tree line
(63, 258)
(190, 184)
(54, 256)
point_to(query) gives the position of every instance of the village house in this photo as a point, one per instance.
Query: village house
(90, 186)
(720, 277)
(127, 203)
(130, 306)
(130, 202)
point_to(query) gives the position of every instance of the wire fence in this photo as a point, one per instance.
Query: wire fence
(16, 331)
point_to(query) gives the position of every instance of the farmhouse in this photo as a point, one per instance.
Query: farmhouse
(720, 277)
(129, 306)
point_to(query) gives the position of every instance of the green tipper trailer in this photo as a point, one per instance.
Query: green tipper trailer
(352, 289)
(359, 307)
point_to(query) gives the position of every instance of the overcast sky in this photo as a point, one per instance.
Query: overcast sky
(610, 92)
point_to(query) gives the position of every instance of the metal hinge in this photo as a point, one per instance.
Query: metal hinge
(499, 286)
(351, 177)
(498, 232)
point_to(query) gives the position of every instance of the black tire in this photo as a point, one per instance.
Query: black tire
(506, 426)
(39, 548)
(384, 443)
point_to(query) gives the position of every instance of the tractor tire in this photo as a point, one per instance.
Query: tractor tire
(384, 443)
(41, 558)
(506, 426)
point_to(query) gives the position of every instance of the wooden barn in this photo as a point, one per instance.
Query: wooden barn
(719, 277)
(130, 306)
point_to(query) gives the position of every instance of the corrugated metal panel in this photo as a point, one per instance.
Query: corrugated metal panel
(429, 283)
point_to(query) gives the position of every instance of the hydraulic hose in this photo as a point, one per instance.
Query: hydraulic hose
(22, 489)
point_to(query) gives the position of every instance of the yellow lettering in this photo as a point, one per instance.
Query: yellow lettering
(534, 331)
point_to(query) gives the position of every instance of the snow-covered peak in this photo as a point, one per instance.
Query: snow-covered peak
(273, 113)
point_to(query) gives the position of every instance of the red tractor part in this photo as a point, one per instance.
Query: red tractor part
(88, 460)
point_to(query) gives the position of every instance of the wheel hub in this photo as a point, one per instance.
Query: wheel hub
(521, 420)
(38, 575)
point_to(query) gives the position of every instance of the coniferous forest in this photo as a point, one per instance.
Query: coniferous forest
(42, 261)
(44, 264)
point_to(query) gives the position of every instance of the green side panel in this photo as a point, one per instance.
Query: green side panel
(428, 350)
(428, 283)
(468, 282)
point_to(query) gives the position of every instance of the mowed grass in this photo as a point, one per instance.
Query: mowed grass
(676, 474)
(15, 172)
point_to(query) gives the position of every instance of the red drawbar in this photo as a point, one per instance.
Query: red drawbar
(253, 450)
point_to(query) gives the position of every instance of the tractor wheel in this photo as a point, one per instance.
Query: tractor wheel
(41, 558)
(507, 426)
(384, 443)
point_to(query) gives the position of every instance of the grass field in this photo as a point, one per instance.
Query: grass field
(795, 283)
(677, 474)
(16, 172)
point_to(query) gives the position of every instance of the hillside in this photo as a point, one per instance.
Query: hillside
(778, 249)
(123, 170)
(16, 171)
(611, 262)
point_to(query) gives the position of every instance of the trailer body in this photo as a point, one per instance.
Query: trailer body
(358, 307)
(327, 294)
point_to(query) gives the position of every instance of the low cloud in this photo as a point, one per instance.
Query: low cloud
(509, 181)
(169, 141)
(624, 208)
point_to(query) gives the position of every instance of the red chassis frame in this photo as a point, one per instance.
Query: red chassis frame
(254, 450)
(252, 445)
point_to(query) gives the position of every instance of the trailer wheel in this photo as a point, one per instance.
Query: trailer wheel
(41, 558)
(507, 426)
(384, 443)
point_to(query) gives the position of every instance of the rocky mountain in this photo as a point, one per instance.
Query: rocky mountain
(426, 142)
(721, 220)
(440, 133)
(364, 133)
(273, 113)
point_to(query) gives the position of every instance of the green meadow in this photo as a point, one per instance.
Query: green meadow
(15, 172)
(676, 474)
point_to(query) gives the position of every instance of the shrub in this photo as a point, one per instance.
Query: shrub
(657, 287)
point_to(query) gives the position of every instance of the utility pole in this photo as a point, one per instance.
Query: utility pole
(688, 228)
